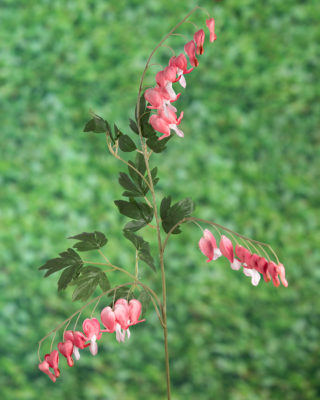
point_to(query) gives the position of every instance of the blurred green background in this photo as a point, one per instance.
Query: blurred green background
(249, 159)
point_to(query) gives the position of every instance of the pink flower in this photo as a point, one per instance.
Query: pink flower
(159, 98)
(282, 274)
(121, 311)
(44, 367)
(226, 249)
(210, 25)
(182, 67)
(91, 328)
(199, 40)
(165, 79)
(262, 267)
(275, 271)
(53, 360)
(135, 308)
(66, 349)
(78, 339)
(208, 246)
(190, 50)
(164, 123)
(108, 319)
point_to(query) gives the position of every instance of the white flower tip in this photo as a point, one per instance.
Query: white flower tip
(76, 353)
(93, 348)
(216, 253)
(236, 265)
(182, 81)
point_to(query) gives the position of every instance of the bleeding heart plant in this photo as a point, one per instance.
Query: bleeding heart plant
(154, 114)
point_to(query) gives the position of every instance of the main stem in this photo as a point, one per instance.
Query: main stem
(161, 249)
(163, 276)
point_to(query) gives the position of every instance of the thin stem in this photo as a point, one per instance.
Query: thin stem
(77, 320)
(192, 23)
(213, 224)
(137, 265)
(161, 248)
(170, 48)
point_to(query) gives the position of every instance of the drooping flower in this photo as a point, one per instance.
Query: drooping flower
(210, 25)
(282, 274)
(182, 67)
(165, 79)
(208, 246)
(79, 341)
(66, 349)
(164, 123)
(135, 308)
(121, 311)
(53, 361)
(262, 267)
(199, 40)
(91, 328)
(108, 319)
(275, 271)
(45, 367)
(226, 248)
(190, 50)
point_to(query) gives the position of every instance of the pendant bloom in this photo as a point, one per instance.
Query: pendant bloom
(78, 340)
(91, 329)
(208, 246)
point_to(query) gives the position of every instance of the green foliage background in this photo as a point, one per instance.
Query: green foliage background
(250, 160)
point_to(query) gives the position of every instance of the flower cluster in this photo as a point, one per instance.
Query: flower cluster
(161, 96)
(118, 319)
(252, 263)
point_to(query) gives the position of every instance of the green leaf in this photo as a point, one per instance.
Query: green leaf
(133, 126)
(157, 145)
(89, 241)
(143, 248)
(170, 216)
(67, 259)
(117, 132)
(146, 128)
(127, 183)
(97, 125)
(68, 275)
(124, 292)
(126, 144)
(135, 210)
(154, 172)
(104, 282)
(87, 282)
(164, 207)
(134, 226)
(138, 164)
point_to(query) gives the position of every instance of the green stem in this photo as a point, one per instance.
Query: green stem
(161, 248)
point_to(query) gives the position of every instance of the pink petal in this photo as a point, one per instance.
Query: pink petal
(199, 40)
(226, 248)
